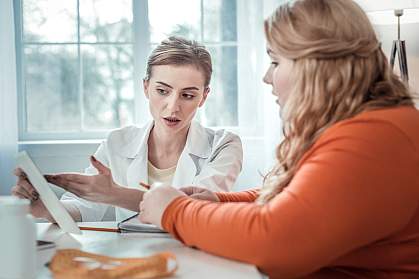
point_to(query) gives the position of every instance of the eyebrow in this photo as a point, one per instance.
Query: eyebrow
(186, 88)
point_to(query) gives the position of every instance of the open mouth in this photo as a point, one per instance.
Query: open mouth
(171, 120)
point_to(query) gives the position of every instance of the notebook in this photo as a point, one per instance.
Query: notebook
(133, 224)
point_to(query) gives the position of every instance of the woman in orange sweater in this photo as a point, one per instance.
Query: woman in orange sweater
(342, 200)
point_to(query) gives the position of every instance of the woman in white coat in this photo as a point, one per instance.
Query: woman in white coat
(172, 149)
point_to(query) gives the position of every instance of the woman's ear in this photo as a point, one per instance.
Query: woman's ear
(146, 83)
(204, 96)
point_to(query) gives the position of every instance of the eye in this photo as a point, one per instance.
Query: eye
(188, 96)
(274, 64)
(161, 91)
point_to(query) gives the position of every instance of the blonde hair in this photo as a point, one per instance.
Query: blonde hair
(179, 51)
(339, 71)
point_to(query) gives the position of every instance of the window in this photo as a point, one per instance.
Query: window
(80, 63)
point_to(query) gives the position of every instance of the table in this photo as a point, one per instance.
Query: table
(192, 263)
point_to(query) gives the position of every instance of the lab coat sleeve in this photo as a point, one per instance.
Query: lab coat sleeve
(224, 164)
(89, 211)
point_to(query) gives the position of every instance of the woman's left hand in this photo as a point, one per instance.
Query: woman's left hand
(155, 202)
(96, 188)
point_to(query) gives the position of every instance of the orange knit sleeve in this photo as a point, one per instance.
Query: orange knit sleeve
(244, 196)
(356, 185)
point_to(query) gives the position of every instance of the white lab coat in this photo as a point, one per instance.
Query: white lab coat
(211, 159)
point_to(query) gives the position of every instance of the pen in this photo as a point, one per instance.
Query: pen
(99, 229)
(145, 185)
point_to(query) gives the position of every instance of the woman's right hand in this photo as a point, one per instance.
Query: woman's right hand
(200, 193)
(24, 190)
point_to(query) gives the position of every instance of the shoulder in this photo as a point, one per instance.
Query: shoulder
(127, 140)
(386, 131)
(218, 137)
(210, 143)
(123, 136)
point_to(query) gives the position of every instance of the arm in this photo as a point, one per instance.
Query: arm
(204, 194)
(224, 165)
(244, 196)
(91, 195)
(337, 202)
(80, 208)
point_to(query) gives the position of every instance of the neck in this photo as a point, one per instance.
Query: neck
(164, 145)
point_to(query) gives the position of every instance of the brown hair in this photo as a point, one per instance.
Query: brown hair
(339, 71)
(179, 51)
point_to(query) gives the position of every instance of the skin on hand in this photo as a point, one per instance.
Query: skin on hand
(155, 202)
(200, 193)
(24, 190)
(96, 188)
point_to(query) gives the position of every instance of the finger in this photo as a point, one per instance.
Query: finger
(187, 190)
(27, 186)
(20, 196)
(76, 188)
(64, 178)
(102, 169)
(19, 189)
(143, 217)
(62, 181)
(199, 196)
(141, 206)
(19, 173)
(21, 193)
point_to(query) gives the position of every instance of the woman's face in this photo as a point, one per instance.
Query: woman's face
(278, 76)
(175, 93)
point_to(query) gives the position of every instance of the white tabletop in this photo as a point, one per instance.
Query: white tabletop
(192, 262)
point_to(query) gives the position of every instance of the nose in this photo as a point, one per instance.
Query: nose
(173, 103)
(267, 78)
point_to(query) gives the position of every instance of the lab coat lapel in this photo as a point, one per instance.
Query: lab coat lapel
(138, 171)
(197, 147)
(185, 170)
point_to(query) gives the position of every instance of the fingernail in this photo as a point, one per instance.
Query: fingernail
(93, 158)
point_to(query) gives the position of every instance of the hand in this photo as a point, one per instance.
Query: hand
(24, 190)
(200, 193)
(96, 188)
(155, 202)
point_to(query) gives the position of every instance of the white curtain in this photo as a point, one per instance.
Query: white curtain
(8, 97)
(259, 122)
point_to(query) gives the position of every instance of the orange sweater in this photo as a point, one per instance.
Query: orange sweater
(351, 210)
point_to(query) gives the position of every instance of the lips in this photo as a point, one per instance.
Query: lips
(171, 121)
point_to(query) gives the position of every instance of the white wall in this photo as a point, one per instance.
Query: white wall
(409, 33)
(8, 97)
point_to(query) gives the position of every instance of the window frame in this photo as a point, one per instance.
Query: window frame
(141, 48)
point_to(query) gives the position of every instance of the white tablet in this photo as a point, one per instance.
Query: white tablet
(47, 195)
